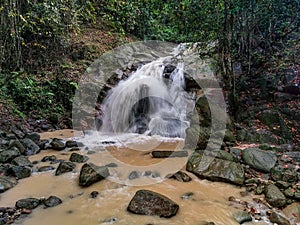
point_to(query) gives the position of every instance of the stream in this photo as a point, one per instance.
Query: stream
(207, 203)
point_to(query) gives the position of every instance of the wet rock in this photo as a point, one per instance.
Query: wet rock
(65, 167)
(274, 196)
(52, 201)
(28, 203)
(45, 168)
(242, 216)
(19, 172)
(198, 136)
(153, 174)
(187, 195)
(8, 155)
(43, 144)
(50, 158)
(35, 137)
(134, 175)
(7, 183)
(21, 161)
(57, 144)
(71, 144)
(181, 176)
(111, 165)
(292, 212)
(18, 145)
(110, 220)
(75, 157)
(94, 194)
(31, 148)
(167, 154)
(147, 202)
(259, 159)
(91, 173)
(216, 169)
(206, 223)
(278, 219)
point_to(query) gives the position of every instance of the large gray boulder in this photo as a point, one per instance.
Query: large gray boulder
(216, 169)
(147, 202)
(259, 159)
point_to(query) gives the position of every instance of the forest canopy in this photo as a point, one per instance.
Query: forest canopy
(248, 35)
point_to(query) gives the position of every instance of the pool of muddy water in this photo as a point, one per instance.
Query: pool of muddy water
(207, 203)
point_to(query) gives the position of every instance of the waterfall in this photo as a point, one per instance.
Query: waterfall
(148, 103)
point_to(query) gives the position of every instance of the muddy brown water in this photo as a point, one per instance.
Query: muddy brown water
(209, 202)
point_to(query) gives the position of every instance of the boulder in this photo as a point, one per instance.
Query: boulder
(19, 172)
(52, 201)
(21, 161)
(35, 137)
(292, 212)
(259, 159)
(278, 219)
(274, 196)
(147, 202)
(91, 173)
(75, 157)
(18, 145)
(7, 183)
(57, 144)
(31, 148)
(8, 155)
(242, 217)
(216, 169)
(65, 167)
(28, 203)
(180, 176)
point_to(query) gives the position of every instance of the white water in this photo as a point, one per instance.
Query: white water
(147, 103)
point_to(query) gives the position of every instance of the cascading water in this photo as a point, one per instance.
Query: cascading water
(148, 103)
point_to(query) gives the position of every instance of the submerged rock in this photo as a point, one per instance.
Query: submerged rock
(259, 159)
(91, 173)
(216, 169)
(147, 202)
